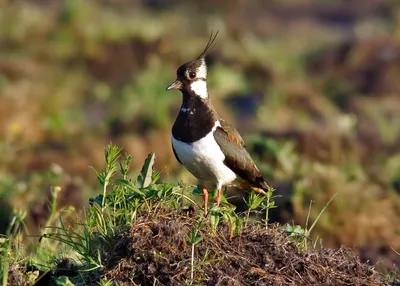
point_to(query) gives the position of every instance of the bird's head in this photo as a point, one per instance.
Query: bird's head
(192, 76)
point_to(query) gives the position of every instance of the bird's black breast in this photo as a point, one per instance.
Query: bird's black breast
(195, 120)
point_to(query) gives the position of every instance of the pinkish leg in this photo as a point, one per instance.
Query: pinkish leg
(205, 199)
(219, 197)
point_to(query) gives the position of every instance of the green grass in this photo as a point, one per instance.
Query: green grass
(84, 251)
(84, 242)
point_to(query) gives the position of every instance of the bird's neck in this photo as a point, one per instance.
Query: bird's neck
(199, 88)
(195, 120)
(191, 101)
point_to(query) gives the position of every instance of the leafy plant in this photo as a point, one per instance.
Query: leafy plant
(264, 201)
(145, 176)
(253, 202)
(112, 154)
(302, 235)
(193, 240)
(9, 243)
(268, 204)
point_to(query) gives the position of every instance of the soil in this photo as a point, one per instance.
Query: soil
(157, 249)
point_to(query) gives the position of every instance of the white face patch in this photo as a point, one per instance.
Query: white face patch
(199, 87)
(201, 72)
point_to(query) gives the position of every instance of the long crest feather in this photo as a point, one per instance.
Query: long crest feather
(210, 45)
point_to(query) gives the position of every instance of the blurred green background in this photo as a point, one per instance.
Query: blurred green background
(313, 87)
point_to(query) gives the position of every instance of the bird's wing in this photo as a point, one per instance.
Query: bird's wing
(236, 156)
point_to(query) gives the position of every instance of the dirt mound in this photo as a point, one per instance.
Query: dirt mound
(157, 250)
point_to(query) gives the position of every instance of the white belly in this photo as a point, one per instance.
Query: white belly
(204, 159)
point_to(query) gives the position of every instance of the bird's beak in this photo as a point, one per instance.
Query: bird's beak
(175, 85)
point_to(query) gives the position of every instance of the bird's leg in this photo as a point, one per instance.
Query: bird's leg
(219, 197)
(205, 199)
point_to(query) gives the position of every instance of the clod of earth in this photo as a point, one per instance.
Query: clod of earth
(157, 248)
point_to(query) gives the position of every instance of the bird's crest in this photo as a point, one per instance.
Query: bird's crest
(210, 45)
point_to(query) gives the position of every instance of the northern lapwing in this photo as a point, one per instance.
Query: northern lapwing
(209, 147)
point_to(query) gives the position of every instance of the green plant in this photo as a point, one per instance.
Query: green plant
(265, 201)
(254, 201)
(63, 281)
(268, 204)
(193, 240)
(227, 212)
(302, 235)
(9, 243)
(112, 212)
(112, 154)
(215, 217)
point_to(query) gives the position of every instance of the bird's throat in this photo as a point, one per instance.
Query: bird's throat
(199, 88)
(195, 119)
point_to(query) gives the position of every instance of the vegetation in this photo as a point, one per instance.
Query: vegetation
(312, 86)
(141, 232)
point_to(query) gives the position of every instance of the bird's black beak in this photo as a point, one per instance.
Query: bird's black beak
(175, 85)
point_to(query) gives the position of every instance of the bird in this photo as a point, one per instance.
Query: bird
(209, 147)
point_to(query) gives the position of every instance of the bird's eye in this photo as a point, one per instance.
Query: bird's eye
(192, 75)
